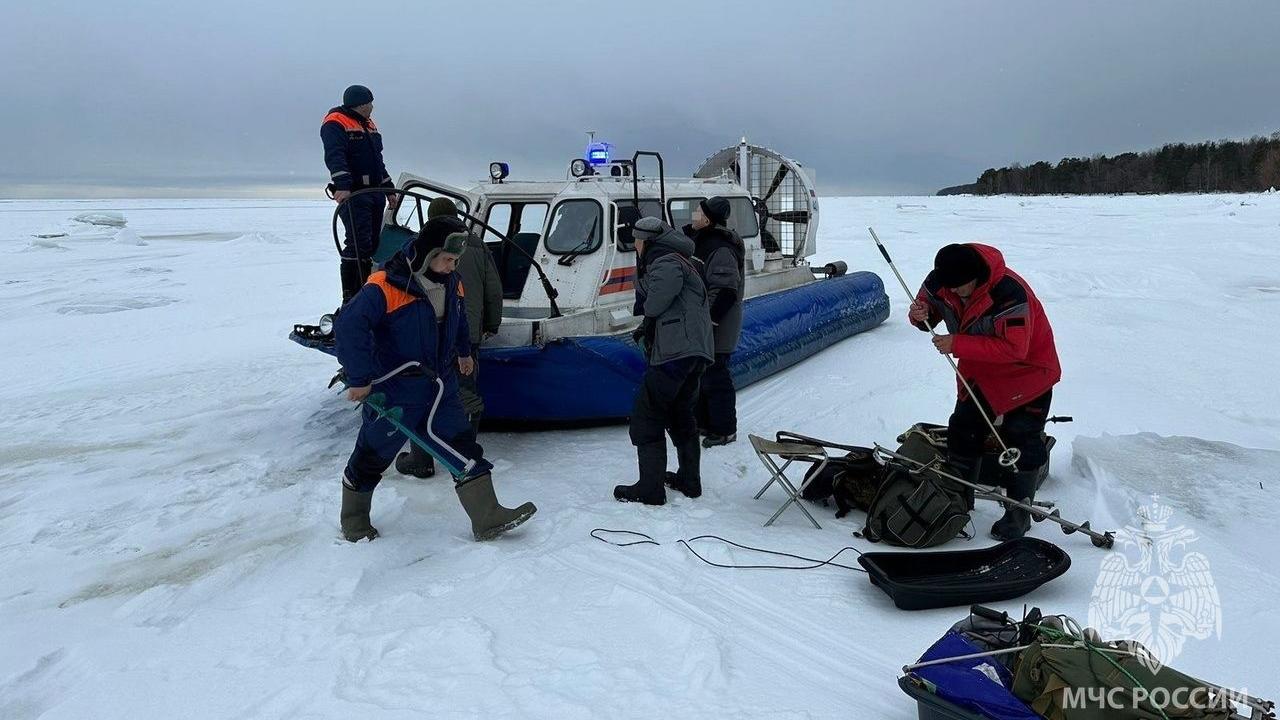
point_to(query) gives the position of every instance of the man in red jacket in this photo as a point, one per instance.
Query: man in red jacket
(1001, 338)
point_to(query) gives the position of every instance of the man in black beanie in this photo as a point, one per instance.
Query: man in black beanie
(353, 154)
(1003, 345)
(723, 257)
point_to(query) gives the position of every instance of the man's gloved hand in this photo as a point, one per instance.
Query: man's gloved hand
(642, 335)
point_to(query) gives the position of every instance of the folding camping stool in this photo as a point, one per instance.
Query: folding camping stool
(789, 451)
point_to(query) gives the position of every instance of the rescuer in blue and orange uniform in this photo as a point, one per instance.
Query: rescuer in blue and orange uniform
(404, 335)
(353, 154)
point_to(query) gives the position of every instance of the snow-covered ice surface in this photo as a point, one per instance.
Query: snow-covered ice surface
(169, 479)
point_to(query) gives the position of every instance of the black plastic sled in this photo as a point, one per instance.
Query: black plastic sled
(925, 580)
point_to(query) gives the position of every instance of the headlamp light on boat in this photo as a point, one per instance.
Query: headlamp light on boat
(498, 171)
(581, 168)
(326, 324)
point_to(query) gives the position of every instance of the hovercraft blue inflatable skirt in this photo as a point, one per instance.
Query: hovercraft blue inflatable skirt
(593, 379)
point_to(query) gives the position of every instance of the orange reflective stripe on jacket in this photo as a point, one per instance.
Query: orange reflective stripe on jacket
(396, 297)
(348, 123)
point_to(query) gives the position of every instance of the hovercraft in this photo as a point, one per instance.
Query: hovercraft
(564, 252)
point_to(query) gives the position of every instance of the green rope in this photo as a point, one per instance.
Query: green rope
(1055, 634)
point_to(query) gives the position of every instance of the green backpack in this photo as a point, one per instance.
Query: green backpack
(918, 509)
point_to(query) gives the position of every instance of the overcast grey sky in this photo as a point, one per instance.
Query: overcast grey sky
(175, 97)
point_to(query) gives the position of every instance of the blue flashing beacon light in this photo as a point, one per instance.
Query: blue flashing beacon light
(598, 153)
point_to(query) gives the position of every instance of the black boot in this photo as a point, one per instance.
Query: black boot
(652, 459)
(1017, 521)
(688, 481)
(712, 439)
(416, 463)
(355, 515)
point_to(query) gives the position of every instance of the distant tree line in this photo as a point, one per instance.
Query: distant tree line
(1251, 165)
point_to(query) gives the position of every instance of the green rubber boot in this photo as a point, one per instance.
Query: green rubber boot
(489, 519)
(355, 515)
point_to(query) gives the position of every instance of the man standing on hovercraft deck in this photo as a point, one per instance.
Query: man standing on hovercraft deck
(405, 334)
(353, 154)
(1001, 338)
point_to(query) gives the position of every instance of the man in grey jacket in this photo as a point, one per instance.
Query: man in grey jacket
(677, 341)
(724, 259)
(482, 294)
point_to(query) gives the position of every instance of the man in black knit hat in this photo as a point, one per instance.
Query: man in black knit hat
(723, 256)
(1003, 345)
(353, 154)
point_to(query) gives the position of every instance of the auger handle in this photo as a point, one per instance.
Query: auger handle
(989, 614)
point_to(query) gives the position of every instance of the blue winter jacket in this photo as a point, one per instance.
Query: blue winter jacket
(390, 323)
(353, 151)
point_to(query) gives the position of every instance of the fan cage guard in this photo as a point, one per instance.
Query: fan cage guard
(790, 195)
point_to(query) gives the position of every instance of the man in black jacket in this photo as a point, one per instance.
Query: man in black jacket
(724, 258)
(353, 154)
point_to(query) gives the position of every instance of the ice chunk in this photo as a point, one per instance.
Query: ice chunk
(110, 218)
(127, 236)
(1209, 480)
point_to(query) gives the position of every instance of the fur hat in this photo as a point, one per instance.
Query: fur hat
(443, 233)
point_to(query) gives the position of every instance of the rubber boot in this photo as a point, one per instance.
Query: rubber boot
(489, 519)
(355, 515)
(416, 463)
(652, 459)
(1016, 521)
(688, 480)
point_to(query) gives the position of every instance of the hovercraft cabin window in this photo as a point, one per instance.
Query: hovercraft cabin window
(628, 214)
(412, 212)
(521, 223)
(742, 215)
(576, 228)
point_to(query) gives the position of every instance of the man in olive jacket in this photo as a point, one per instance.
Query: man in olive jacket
(483, 299)
(724, 259)
(677, 341)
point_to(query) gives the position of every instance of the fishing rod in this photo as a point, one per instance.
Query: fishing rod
(1009, 456)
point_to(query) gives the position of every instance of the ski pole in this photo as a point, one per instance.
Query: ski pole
(393, 415)
(1101, 540)
(1009, 456)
